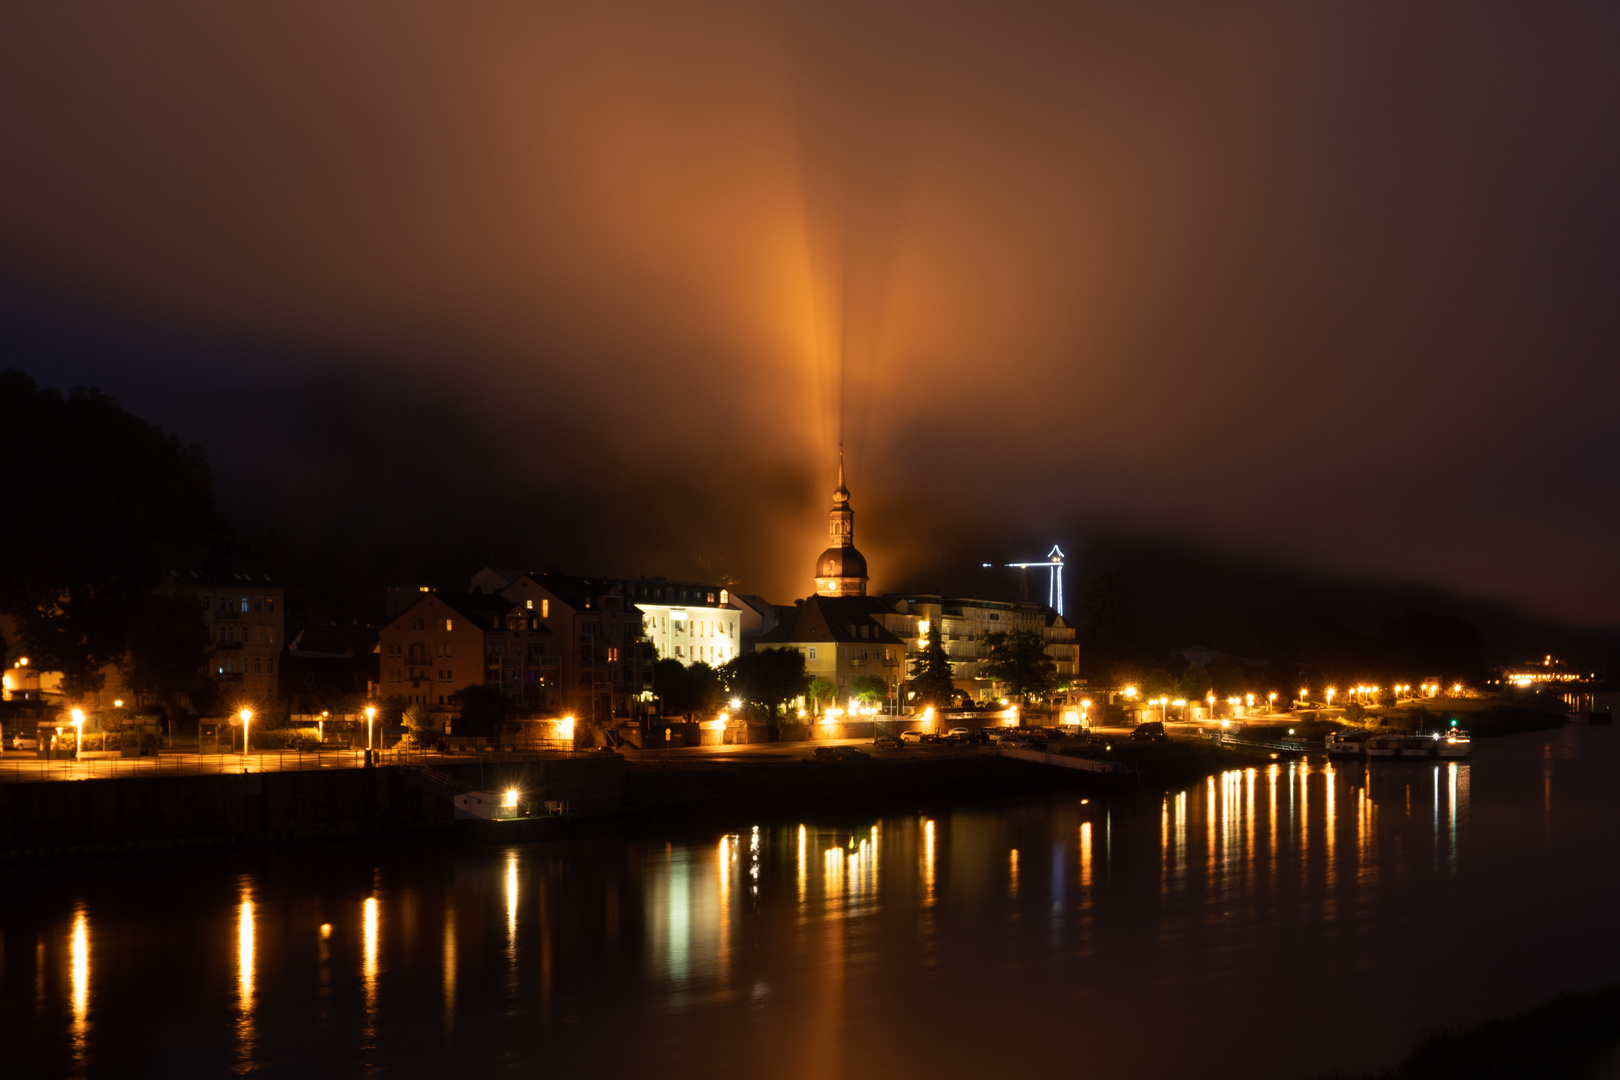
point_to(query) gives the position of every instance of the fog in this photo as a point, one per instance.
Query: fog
(603, 286)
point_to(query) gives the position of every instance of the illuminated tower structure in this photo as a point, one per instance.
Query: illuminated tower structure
(841, 570)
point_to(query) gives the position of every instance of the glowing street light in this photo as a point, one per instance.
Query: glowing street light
(247, 725)
(1210, 697)
(1304, 693)
(1330, 692)
(78, 731)
(371, 714)
(736, 703)
(320, 725)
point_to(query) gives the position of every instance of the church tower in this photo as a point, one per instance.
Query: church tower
(841, 570)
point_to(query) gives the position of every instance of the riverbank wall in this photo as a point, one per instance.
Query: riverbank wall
(88, 817)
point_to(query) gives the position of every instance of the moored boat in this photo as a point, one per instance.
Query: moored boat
(1384, 746)
(1352, 742)
(1454, 744)
(1418, 746)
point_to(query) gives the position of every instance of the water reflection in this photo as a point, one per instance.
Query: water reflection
(368, 966)
(808, 940)
(80, 950)
(245, 957)
(928, 863)
(449, 979)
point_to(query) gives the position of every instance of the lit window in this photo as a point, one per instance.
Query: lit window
(447, 624)
(545, 609)
(812, 652)
(529, 604)
(244, 605)
(725, 597)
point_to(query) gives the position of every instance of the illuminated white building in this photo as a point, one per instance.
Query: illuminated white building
(690, 623)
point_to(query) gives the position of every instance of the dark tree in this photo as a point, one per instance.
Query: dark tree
(483, 709)
(1109, 637)
(168, 645)
(1194, 683)
(686, 691)
(931, 677)
(1019, 662)
(769, 678)
(81, 555)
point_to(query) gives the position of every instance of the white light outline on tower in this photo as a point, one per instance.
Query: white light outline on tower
(1054, 566)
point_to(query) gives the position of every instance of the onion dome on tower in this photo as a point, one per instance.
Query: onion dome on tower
(841, 570)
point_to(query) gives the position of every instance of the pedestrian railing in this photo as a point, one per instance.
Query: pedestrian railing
(180, 763)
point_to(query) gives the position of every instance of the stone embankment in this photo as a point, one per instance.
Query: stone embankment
(86, 817)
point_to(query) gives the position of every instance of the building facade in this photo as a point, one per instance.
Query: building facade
(685, 622)
(446, 642)
(842, 638)
(243, 606)
(604, 659)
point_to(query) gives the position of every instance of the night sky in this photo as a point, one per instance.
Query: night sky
(599, 285)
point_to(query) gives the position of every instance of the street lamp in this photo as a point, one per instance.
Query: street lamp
(371, 714)
(247, 725)
(78, 731)
(1211, 699)
(320, 726)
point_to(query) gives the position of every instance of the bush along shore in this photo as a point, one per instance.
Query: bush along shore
(1572, 1036)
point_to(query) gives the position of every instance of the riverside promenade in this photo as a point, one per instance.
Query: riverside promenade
(25, 767)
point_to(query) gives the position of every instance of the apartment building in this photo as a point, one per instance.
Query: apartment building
(445, 642)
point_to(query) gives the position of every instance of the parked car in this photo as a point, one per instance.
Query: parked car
(828, 753)
(23, 740)
(957, 732)
(1152, 731)
(1020, 740)
(935, 739)
(888, 742)
(911, 736)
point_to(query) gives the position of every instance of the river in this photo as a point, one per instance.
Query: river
(1274, 922)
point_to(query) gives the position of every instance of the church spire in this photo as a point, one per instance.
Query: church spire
(841, 570)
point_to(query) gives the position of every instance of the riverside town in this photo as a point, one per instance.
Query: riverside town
(809, 541)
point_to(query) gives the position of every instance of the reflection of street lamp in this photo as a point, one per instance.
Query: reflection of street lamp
(78, 731)
(247, 725)
(371, 714)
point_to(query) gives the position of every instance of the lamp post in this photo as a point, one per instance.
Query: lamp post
(320, 726)
(1210, 697)
(247, 726)
(371, 714)
(78, 731)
